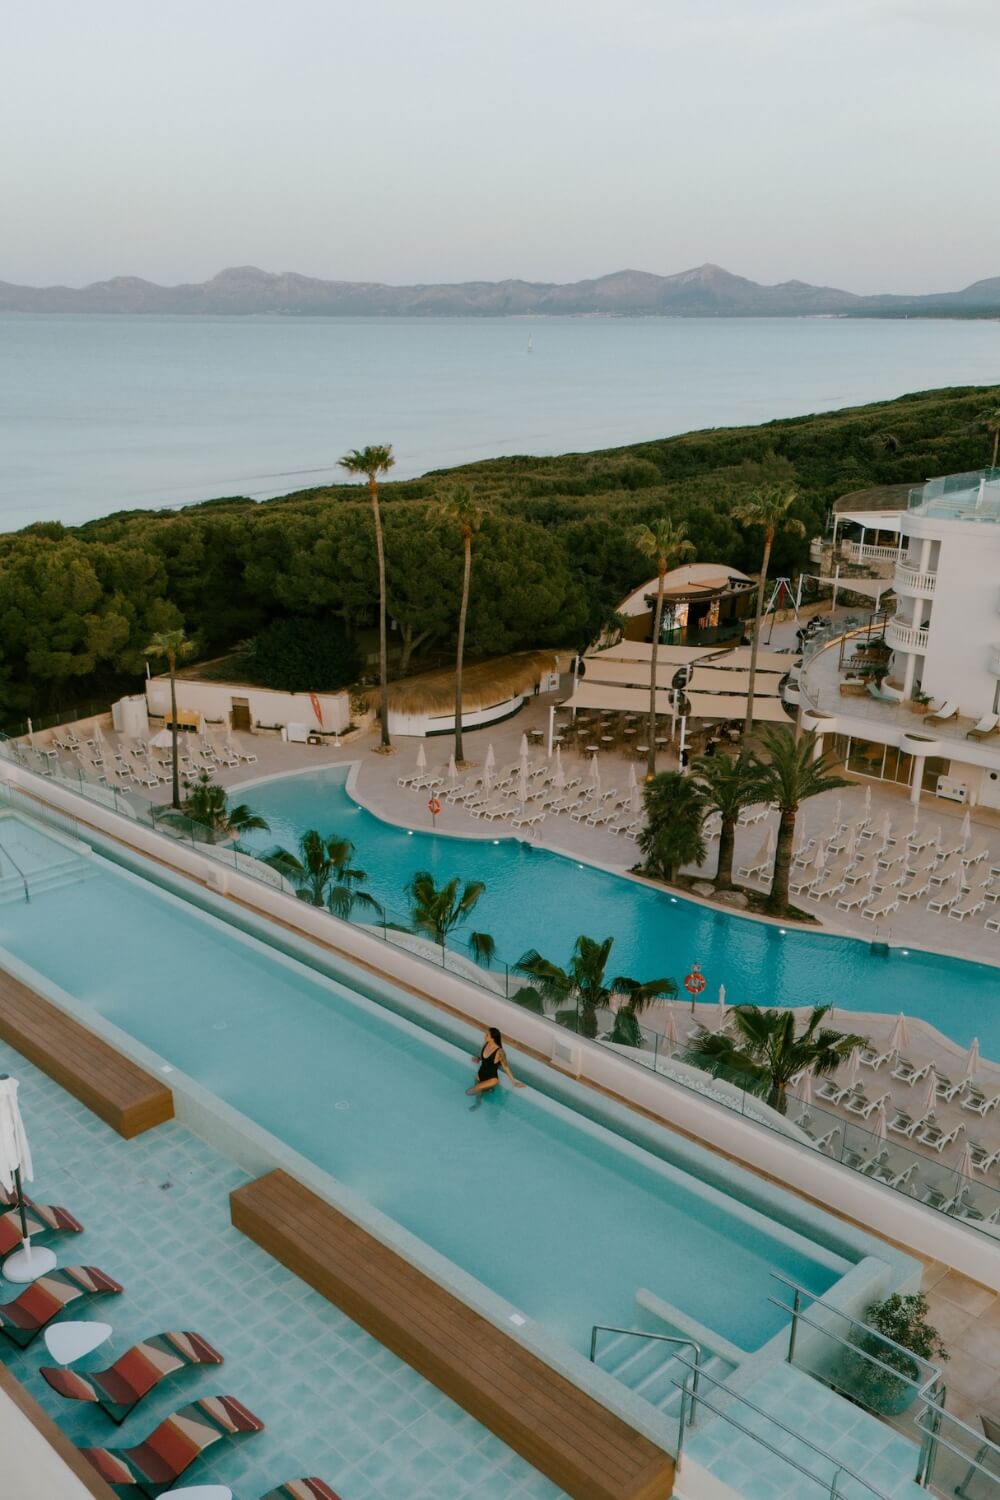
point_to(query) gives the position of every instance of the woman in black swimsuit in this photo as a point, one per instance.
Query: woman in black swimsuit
(491, 1060)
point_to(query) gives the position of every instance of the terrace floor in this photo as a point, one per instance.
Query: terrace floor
(335, 1403)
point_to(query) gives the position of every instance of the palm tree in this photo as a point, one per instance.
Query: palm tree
(767, 1052)
(767, 507)
(993, 428)
(322, 873)
(371, 462)
(584, 990)
(462, 510)
(174, 645)
(669, 545)
(790, 776)
(206, 804)
(675, 813)
(729, 785)
(436, 911)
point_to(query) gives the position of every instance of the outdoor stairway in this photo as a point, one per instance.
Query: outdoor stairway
(66, 868)
(651, 1368)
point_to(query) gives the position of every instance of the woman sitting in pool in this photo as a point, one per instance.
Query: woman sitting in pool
(491, 1059)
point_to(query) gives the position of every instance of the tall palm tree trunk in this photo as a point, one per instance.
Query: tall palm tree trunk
(460, 655)
(778, 899)
(176, 801)
(383, 644)
(996, 446)
(657, 622)
(758, 617)
(727, 844)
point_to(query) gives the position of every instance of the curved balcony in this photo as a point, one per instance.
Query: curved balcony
(904, 637)
(913, 583)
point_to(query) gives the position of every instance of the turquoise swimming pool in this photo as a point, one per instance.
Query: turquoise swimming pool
(537, 899)
(558, 1214)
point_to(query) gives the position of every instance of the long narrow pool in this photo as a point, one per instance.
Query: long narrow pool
(537, 899)
(556, 1213)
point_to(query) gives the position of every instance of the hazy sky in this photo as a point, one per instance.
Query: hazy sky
(852, 142)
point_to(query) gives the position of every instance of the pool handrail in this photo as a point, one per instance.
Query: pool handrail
(688, 1420)
(661, 1338)
(24, 879)
(930, 1421)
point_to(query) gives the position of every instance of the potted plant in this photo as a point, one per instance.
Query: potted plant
(903, 1319)
(919, 701)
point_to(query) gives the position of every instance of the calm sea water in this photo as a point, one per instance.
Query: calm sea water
(106, 413)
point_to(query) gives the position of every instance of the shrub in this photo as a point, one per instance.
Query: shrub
(301, 655)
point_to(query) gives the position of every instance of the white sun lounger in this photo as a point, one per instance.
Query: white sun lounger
(859, 1104)
(832, 1091)
(881, 906)
(907, 1072)
(947, 869)
(855, 895)
(830, 883)
(977, 1103)
(941, 715)
(967, 905)
(976, 851)
(905, 1125)
(946, 897)
(916, 884)
(939, 1140)
(874, 1060)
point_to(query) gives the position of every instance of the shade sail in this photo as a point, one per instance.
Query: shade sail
(739, 656)
(616, 699)
(734, 706)
(704, 678)
(602, 695)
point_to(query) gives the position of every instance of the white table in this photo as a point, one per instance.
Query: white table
(201, 1492)
(67, 1342)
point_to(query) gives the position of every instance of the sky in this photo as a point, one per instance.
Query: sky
(844, 142)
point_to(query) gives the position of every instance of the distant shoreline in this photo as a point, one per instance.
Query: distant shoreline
(927, 315)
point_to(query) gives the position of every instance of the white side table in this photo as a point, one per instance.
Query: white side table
(200, 1492)
(67, 1342)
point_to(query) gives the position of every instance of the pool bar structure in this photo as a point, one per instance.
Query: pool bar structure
(560, 1228)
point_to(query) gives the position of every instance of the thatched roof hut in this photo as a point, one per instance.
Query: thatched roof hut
(486, 683)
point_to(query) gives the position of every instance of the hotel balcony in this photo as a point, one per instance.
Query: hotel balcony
(902, 636)
(912, 583)
(867, 552)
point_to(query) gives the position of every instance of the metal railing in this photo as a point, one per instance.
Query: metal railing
(955, 1451)
(659, 1338)
(829, 1486)
(24, 879)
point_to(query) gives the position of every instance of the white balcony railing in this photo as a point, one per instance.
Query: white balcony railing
(860, 552)
(902, 636)
(907, 580)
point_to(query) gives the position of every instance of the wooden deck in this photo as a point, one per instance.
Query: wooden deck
(124, 1095)
(559, 1429)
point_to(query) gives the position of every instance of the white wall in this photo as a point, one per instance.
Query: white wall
(213, 700)
(32, 1470)
(422, 725)
(964, 611)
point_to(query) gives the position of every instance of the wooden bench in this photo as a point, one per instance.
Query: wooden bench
(121, 1093)
(566, 1434)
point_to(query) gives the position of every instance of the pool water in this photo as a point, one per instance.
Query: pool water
(557, 1214)
(537, 899)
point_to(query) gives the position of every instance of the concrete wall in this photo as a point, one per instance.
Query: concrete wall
(213, 700)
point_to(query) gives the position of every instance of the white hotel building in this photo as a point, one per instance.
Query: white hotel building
(945, 640)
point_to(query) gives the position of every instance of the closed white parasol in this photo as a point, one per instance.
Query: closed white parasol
(900, 1037)
(972, 1060)
(880, 1129)
(421, 757)
(489, 764)
(15, 1161)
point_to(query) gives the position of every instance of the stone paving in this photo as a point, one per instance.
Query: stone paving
(335, 1403)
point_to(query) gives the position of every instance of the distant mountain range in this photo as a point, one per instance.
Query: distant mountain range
(708, 291)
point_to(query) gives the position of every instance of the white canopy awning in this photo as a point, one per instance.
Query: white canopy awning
(621, 700)
(724, 706)
(872, 588)
(681, 656)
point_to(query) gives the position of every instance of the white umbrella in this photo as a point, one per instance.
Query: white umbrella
(850, 1077)
(15, 1160)
(915, 825)
(523, 751)
(632, 783)
(805, 1087)
(966, 1166)
(31, 734)
(635, 801)
(421, 757)
(965, 832)
(972, 1059)
(836, 814)
(868, 799)
(595, 771)
(670, 1031)
(900, 1037)
(558, 775)
(850, 846)
(490, 762)
(880, 1130)
(452, 769)
(98, 737)
(881, 829)
(818, 860)
(722, 999)
(928, 1099)
(522, 785)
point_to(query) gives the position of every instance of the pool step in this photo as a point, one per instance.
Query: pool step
(60, 872)
(650, 1368)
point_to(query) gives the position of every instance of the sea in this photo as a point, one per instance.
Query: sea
(107, 413)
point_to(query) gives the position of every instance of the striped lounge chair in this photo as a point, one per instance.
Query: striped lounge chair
(302, 1489)
(119, 1389)
(43, 1222)
(171, 1449)
(42, 1302)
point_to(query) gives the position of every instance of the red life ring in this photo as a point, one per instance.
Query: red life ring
(434, 806)
(694, 983)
